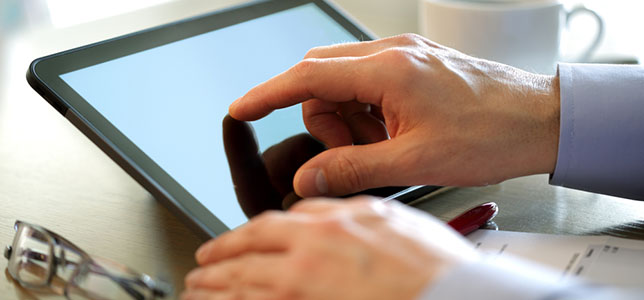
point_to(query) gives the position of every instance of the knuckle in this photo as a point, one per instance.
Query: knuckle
(313, 52)
(397, 55)
(351, 172)
(305, 68)
(407, 62)
(304, 264)
(330, 227)
(401, 59)
(409, 38)
(263, 219)
(415, 41)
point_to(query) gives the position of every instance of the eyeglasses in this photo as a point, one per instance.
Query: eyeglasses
(41, 259)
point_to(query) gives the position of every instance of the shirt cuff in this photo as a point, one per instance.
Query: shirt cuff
(601, 138)
(507, 278)
(496, 278)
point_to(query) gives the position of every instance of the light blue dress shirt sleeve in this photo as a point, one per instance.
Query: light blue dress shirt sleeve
(513, 279)
(601, 141)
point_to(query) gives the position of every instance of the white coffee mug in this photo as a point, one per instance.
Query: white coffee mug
(521, 33)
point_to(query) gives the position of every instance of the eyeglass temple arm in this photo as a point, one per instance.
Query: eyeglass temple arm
(125, 284)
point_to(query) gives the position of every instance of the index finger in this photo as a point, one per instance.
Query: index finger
(329, 79)
(269, 232)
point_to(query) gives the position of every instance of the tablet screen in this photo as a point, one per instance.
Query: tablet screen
(170, 100)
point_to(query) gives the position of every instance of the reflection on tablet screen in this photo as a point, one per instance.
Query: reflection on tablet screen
(170, 100)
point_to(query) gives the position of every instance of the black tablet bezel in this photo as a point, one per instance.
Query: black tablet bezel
(44, 76)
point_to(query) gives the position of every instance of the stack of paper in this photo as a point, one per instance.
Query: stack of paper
(600, 259)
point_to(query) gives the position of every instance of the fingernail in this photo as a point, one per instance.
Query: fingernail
(312, 183)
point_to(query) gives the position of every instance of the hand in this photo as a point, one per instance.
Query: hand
(406, 111)
(264, 180)
(325, 249)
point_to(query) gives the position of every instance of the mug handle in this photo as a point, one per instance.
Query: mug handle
(586, 54)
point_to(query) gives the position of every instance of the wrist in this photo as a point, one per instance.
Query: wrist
(543, 125)
(538, 131)
(551, 120)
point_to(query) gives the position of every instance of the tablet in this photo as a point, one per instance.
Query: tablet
(156, 102)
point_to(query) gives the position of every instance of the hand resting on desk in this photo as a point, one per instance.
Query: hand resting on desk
(328, 249)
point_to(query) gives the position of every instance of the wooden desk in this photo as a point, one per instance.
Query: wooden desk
(50, 174)
(530, 204)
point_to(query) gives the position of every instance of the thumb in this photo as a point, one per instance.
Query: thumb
(350, 169)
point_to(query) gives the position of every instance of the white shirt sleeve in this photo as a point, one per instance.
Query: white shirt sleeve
(514, 279)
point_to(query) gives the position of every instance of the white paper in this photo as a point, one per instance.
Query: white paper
(600, 259)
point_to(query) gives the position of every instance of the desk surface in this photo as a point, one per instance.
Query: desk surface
(50, 174)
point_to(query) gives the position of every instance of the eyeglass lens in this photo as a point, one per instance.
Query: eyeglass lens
(39, 259)
(31, 258)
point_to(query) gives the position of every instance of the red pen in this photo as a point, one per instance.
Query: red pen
(474, 218)
(465, 223)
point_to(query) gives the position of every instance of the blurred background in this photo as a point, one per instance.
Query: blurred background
(53, 19)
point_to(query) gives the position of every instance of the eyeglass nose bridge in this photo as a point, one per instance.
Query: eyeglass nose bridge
(7, 252)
